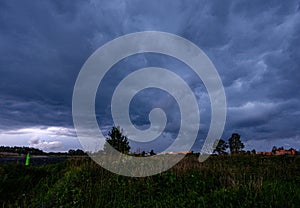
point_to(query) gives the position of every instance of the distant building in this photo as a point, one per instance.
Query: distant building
(180, 153)
(285, 152)
(278, 152)
(263, 153)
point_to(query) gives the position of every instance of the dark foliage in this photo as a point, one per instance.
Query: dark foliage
(235, 143)
(221, 181)
(21, 150)
(221, 147)
(117, 140)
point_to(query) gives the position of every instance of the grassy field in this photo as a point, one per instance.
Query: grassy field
(221, 181)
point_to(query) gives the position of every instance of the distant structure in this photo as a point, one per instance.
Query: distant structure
(285, 152)
(278, 152)
(180, 153)
(264, 153)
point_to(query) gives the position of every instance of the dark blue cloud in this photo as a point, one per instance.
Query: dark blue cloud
(253, 44)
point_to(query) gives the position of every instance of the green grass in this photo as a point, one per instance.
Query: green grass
(229, 181)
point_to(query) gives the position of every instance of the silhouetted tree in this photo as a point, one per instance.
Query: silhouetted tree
(235, 143)
(274, 149)
(117, 140)
(280, 148)
(221, 147)
(152, 153)
(76, 152)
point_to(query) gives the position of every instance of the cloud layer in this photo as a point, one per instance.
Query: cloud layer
(253, 44)
(36, 142)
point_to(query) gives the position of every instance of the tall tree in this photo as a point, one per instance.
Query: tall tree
(152, 153)
(117, 140)
(280, 148)
(235, 143)
(274, 149)
(221, 147)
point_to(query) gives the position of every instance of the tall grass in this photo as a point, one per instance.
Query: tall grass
(223, 181)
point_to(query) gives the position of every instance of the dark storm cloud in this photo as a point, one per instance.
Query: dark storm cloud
(18, 113)
(253, 44)
(42, 48)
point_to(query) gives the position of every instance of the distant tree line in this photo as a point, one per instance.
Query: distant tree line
(35, 151)
(22, 150)
(76, 152)
(120, 142)
(234, 144)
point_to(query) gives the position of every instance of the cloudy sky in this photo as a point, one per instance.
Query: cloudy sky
(254, 46)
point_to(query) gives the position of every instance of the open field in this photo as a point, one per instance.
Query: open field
(221, 181)
(34, 160)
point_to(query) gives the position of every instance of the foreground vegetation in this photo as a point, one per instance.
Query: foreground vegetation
(221, 181)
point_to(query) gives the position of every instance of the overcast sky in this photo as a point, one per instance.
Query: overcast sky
(254, 46)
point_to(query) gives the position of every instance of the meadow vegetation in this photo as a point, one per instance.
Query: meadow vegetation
(221, 181)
